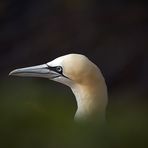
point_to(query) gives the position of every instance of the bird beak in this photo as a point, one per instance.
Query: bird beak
(35, 71)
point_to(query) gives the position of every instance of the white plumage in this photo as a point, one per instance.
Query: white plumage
(82, 76)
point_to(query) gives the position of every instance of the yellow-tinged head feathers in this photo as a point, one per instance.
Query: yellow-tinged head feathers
(81, 75)
(78, 68)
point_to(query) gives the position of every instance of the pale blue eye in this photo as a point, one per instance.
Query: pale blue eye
(59, 69)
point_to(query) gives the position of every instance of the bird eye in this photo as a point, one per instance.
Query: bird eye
(59, 69)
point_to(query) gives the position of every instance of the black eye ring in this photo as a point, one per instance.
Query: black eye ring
(59, 69)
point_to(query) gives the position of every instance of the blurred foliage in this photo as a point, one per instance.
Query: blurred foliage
(39, 114)
(113, 34)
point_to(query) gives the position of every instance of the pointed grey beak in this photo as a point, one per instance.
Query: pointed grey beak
(35, 71)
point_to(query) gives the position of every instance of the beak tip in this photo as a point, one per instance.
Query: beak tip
(11, 73)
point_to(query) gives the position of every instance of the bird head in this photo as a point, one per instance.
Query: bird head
(69, 69)
(81, 75)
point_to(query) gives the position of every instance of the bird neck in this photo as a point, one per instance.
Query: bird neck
(91, 101)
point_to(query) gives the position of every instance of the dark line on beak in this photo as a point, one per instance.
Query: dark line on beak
(31, 72)
(53, 69)
(48, 67)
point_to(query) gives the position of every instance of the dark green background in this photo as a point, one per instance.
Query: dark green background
(37, 112)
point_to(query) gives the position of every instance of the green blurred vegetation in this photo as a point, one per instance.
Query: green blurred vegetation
(36, 113)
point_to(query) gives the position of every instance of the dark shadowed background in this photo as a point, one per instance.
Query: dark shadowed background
(113, 34)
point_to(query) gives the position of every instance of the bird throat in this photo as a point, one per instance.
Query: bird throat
(91, 103)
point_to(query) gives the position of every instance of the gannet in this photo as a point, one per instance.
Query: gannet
(82, 76)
